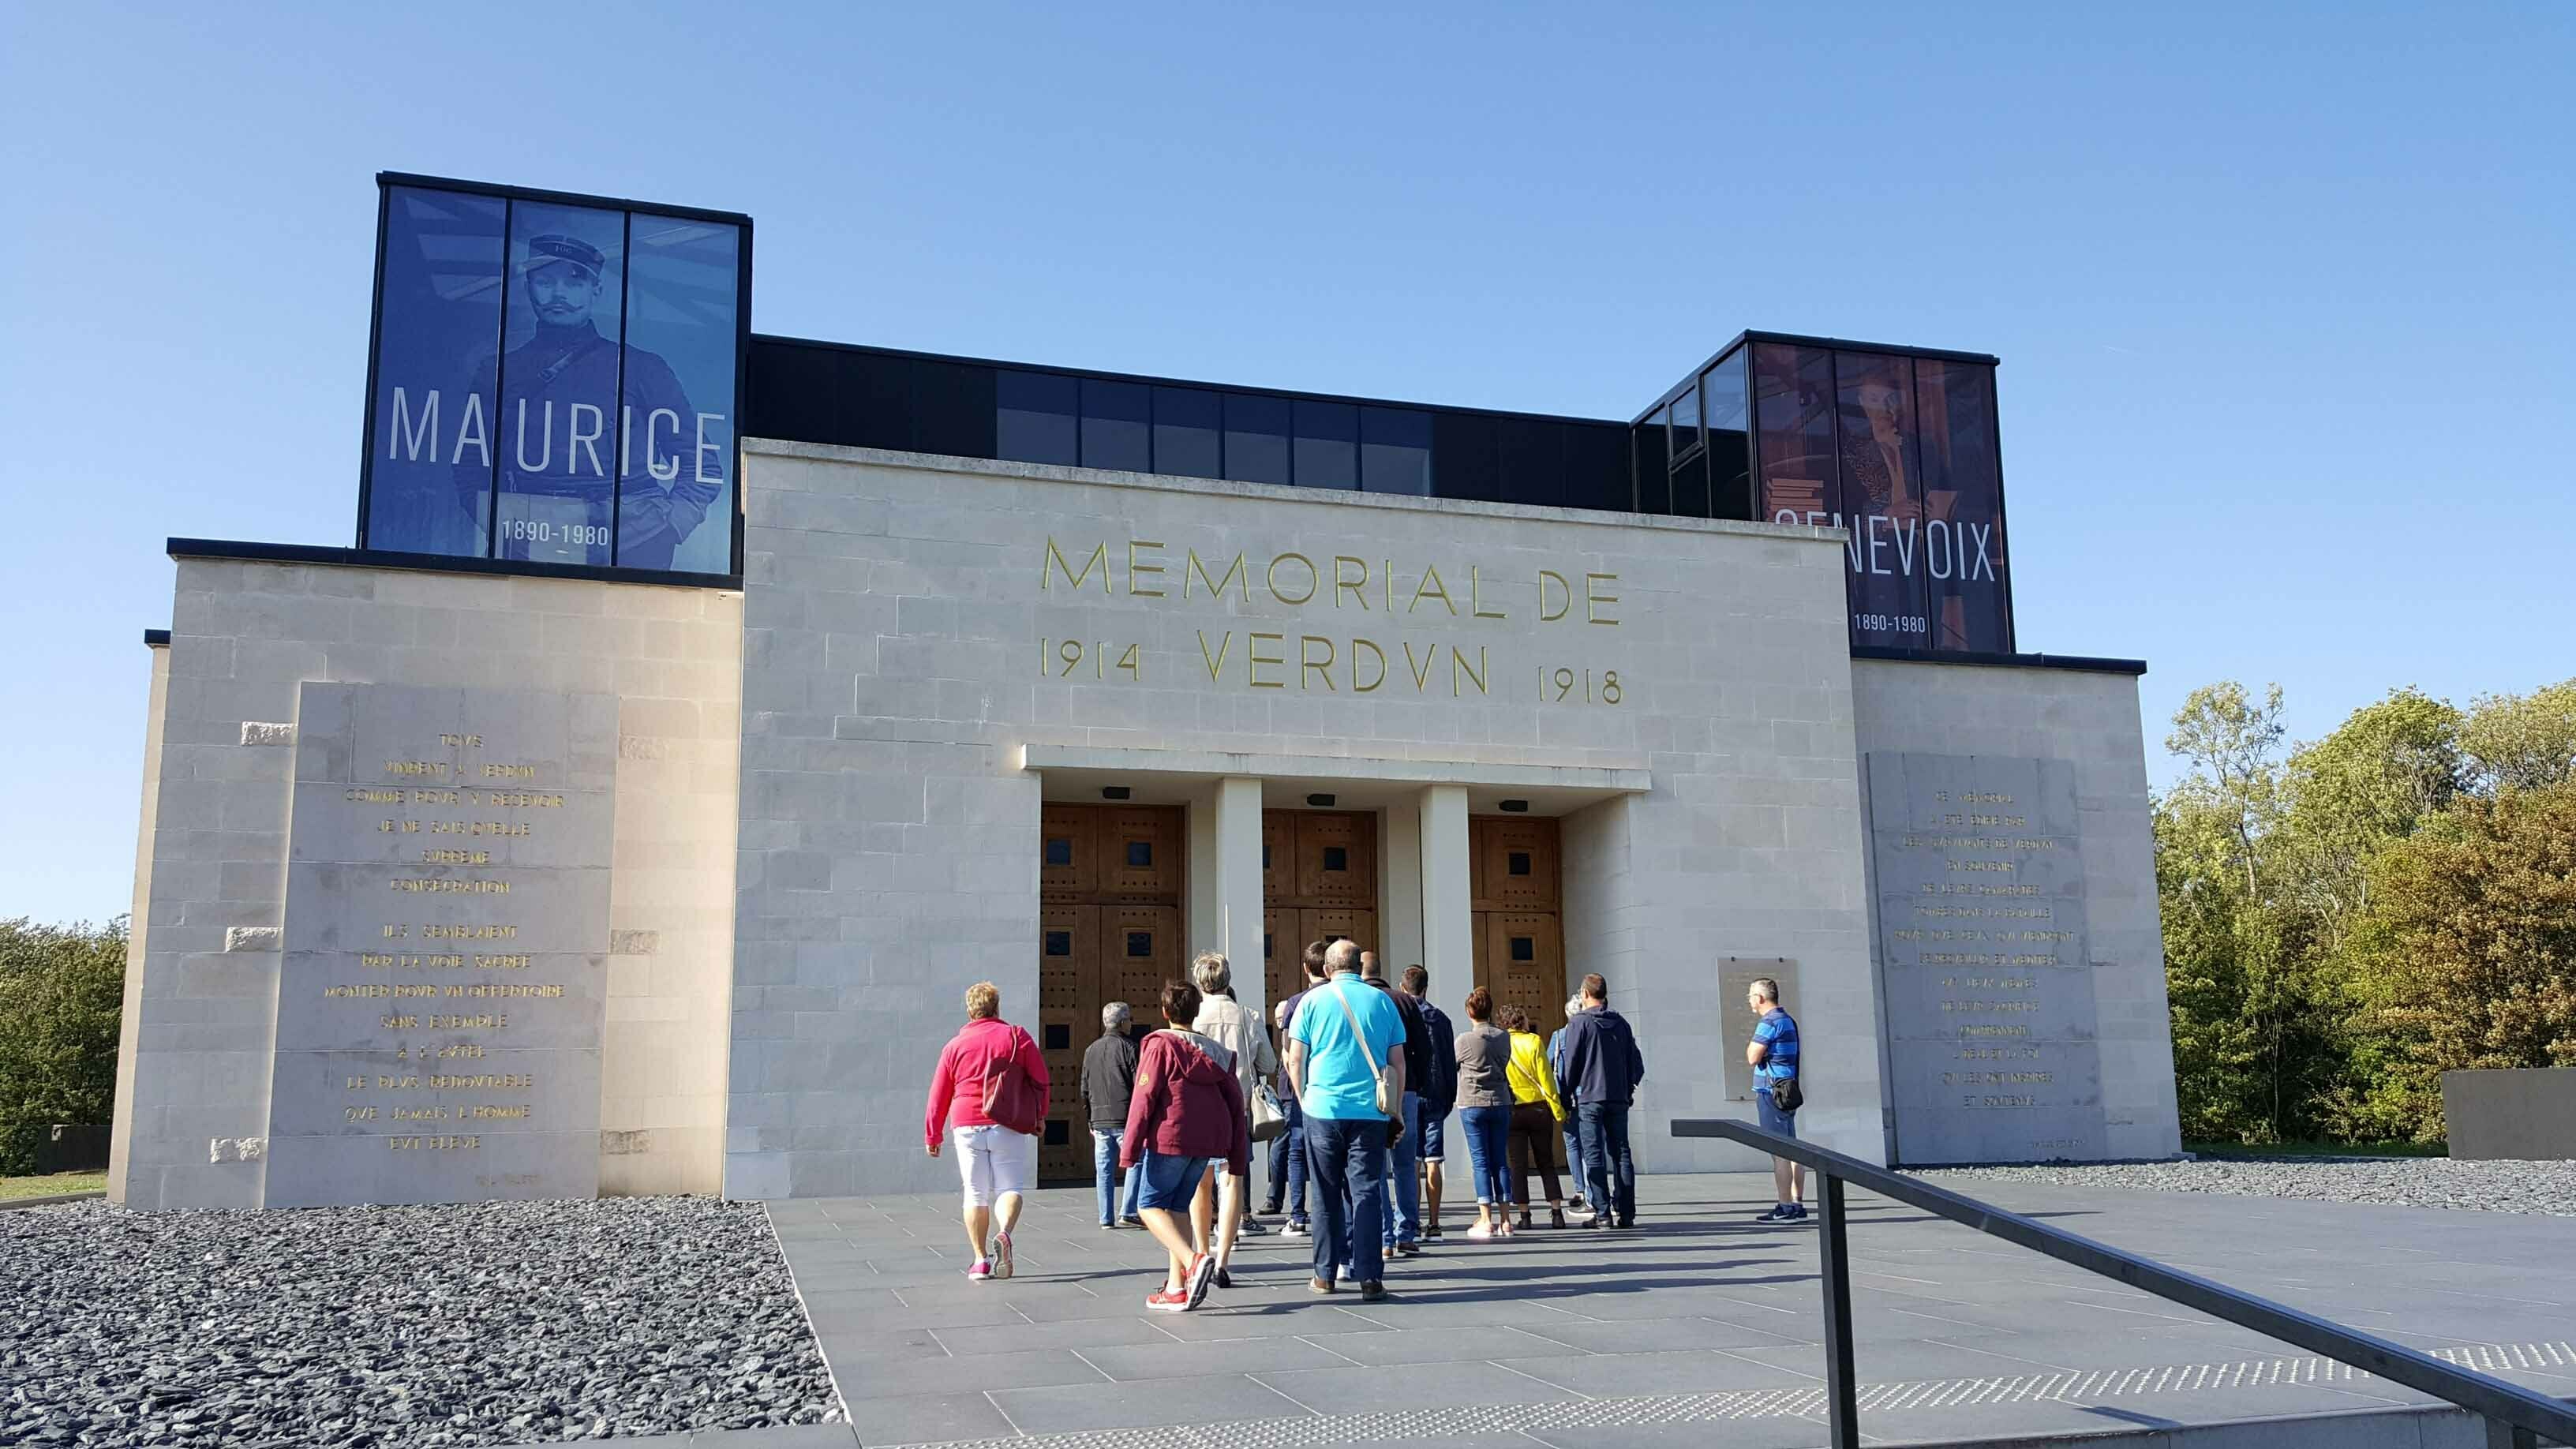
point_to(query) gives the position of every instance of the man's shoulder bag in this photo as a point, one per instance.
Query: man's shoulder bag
(1785, 1094)
(1376, 1063)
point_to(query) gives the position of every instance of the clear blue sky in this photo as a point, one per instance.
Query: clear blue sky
(2283, 292)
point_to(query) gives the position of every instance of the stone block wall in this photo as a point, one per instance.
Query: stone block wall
(202, 980)
(2091, 719)
(900, 648)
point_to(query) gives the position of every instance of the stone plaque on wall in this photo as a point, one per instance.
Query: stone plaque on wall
(1983, 964)
(439, 1007)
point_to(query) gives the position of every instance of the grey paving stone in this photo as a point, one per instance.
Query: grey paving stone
(1084, 1334)
(1648, 1335)
(1168, 1360)
(927, 1419)
(1212, 1399)
(1347, 1390)
(1779, 1433)
(1396, 1347)
(908, 1378)
(1682, 1371)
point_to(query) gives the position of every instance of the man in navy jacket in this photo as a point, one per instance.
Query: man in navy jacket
(1602, 1070)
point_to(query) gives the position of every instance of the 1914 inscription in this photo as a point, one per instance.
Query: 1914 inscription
(1983, 960)
(446, 937)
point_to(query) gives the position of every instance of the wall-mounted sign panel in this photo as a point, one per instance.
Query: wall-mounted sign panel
(555, 379)
(1985, 974)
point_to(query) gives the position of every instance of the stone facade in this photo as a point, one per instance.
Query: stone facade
(2091, 720)
(904, 658)
(827, 789)
(203, 977)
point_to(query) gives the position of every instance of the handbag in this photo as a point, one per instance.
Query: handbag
(1011, 1098)
(1377, 1069)
(1269, 1119)
(1786, 1096)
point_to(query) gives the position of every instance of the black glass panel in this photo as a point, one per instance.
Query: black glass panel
(1684, 418)
(676, 406)
(1328, 437)
(1117, 426)
(952, 408)
(1596, 467)
(1059, 850)
(1530, 455)
(446, 273)
(1059, 943)
(1654, 470)
(1518, 862)
(1188, 427)
(1882, 481)
(1140, 943)
(1395, 451)
(1793, 417)
(1336, 858)
(1463, 446)
(1524, 948)
(1058, 1132)
(1034, 417)
(555, 439)
(1728, 423)
(1059, 1037)
(1256, 438)
(1140, 853)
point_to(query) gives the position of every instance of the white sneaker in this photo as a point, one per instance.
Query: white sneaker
(1001, 1255)
(1251, 1228)
(1296, 1230)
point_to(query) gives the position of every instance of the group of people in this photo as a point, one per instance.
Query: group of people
(1358, 1091)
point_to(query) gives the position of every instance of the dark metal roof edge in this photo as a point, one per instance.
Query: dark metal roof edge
(1199, 384)
(431, 563)
(560, 198)
(156, 638)
(2085, 663)
(1839, 344)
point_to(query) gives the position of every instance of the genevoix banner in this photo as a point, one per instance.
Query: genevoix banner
(555, 379)
(1900, 451)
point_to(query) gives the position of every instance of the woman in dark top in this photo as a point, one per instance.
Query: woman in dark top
(1485, 1110)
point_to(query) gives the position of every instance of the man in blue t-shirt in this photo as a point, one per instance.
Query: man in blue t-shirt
(1344, 1037)
(1774, 1055)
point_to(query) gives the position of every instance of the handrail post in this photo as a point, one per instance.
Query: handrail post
(2501, 1435)
(1833, 1262)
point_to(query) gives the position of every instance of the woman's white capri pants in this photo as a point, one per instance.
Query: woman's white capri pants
(993, 1161)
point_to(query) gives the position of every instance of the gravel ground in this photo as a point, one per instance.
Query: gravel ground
(2437, 1182)
(507, 1323)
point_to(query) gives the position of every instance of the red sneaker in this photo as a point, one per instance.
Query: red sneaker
(1168, 1302)
(1202, 1278)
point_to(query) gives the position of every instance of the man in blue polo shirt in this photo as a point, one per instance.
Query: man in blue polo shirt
(1345, 1036)
(1774, 1055)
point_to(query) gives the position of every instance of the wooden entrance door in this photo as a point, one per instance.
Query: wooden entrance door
(1109, 929)
(1318, 881)
(1519, 925)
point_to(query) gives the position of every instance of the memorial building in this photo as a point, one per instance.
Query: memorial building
(698, 713)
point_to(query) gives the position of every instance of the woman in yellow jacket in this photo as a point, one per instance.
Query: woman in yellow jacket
(1536, 1111)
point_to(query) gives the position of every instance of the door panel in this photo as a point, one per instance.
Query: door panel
(1283, 953)
(1515, 863)
(1068, 865)
(1525, 965)
(1068, 1022)
(1110, 882)
(1481, 935)
(1337, 860)
(1278, 855)
(1322, 923)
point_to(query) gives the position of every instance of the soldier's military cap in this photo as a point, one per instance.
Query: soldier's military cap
(545, 251)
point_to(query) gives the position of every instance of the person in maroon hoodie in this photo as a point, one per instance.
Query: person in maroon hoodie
(997, 1163)
(1187, 1113)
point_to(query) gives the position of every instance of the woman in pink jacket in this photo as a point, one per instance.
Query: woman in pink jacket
(997, 1163)
(1187, 1113)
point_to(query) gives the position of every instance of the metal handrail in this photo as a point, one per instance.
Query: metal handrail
(2515, 1416)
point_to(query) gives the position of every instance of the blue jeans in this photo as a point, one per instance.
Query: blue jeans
(1104, 1172)
(1609, 1171)
(1572, 1127)
(1487, 1130)
(1288, 1163)
(1404, 1205)
(1347, 1158)
(1773, 1119)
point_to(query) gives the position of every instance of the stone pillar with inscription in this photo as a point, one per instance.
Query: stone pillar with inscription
(446, 937)
(1993, 1037)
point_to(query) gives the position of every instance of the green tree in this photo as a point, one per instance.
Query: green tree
(62, 990)
(2523, 742)
(2466, 953)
